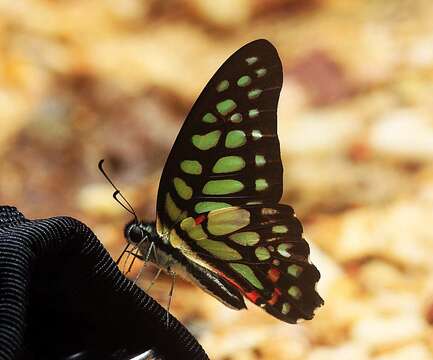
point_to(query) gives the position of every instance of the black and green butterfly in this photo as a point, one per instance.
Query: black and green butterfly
(219, 221)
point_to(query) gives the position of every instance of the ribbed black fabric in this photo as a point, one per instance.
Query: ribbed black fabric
(61, 293)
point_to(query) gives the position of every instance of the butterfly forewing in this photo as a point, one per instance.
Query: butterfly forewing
(227, 152)
(219, 191)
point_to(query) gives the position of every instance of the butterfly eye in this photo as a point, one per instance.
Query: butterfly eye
(135, 234)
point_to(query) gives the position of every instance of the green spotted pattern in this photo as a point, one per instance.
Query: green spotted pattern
(182, 188)
(279, 229)
(236, 118)
(225, 107)
(256, 134)
(207, 141)
(192, 167)
(228, 164)
(262, 253)
(283, 249)
(235, 139)
(226, 221)
(294, 270)
(254, 94)
(244, 81)
(285, 308)
(209, 118)
(205, 206)
(247, 273)
(246, 238)
(219, 250)
(251, 60)
(223, 85)
(172, 210)
(261, 72)
(194, 231)
(260, 160)
(222, 187)
(253, 113)
(295, 292)
(261, 185)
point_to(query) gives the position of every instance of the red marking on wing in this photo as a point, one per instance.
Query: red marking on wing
(253, 296)
(274, 274)
(231, 281)
(275, 295)
(199, 219)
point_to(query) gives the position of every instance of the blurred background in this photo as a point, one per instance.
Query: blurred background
(85, 80)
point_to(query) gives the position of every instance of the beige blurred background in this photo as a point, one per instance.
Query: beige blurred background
(84, 80)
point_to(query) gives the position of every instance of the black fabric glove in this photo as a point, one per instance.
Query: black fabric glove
(63, 297)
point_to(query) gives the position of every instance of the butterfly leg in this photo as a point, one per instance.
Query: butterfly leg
(139, 274)
(123, 253)
(138, 256)
(154, 279)
(170, 295)
(145, 259)
(132, 262)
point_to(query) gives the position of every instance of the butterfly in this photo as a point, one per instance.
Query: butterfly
(219, 221)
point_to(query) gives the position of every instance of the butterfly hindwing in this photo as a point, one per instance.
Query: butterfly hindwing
(227, 151)
(260, 250)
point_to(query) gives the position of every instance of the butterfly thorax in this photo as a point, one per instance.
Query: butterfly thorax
(151, 247)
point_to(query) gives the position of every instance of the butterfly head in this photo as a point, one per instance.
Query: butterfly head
(137, 232)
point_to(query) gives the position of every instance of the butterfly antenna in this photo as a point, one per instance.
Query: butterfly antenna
(128, 207)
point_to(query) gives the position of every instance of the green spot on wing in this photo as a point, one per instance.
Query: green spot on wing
(260, 160)
(182, 189)
(223, 85)
(187, 224)
(283, 249)
(262, 253)
(261, 184)
(228, 164)
(205, 206)
(226, 221)
(174, 213)
(244, 81)
(294, 270)
(219, 249)
(206, 141)
(254, 94)
(194, 231)
(279, 229)
(260, 72)
(285, 309)
(256, 134)
(209, 118)
(295, 292)
(225, 107)
(222, 187)
(197, 233)
(248, 274)
(246, 238)
(235, 138)
(192, 167)
(251, 60)
(236, 118)
(253, 113)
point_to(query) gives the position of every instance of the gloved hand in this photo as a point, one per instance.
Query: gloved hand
(63, 297)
